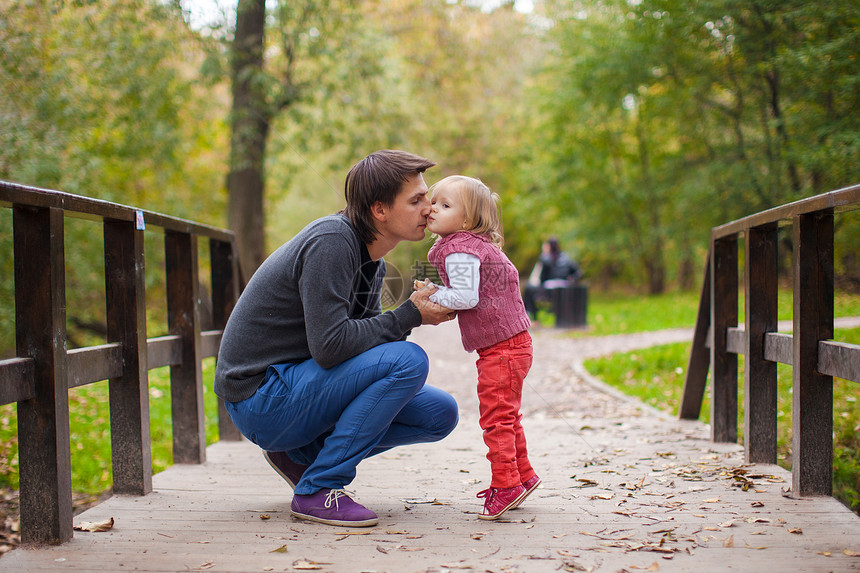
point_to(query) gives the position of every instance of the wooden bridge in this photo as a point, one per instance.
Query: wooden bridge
(625, 488)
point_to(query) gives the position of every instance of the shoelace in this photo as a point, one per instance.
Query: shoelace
(333, 496)
(488, 493)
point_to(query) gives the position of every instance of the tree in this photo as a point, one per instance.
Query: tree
(250, 126)
(106, 104)
(664, 118)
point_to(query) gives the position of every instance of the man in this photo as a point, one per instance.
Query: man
(310, 368)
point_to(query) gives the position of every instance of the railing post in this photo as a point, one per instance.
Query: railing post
(760, 285)
(812, 392)
(43, 422)
(724, 365)
(700, 359)
(225, 291)
(186, 379)
(125, 289)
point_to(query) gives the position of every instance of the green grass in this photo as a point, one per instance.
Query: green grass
(89, 425)
(618, 313)
(656, 376)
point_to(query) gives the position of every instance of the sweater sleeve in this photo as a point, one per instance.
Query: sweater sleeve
(326, 281)
(464, 275)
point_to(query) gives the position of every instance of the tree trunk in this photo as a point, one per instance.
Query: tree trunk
(773, 84)
(655, 266)
(250, 126)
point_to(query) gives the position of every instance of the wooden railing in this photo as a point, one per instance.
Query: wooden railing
(40, 375)
(814, 357)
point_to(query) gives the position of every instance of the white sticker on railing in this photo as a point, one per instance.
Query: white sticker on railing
(138, 221)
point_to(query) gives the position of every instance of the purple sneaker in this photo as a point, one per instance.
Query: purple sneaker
(333, 507)
(286, 468)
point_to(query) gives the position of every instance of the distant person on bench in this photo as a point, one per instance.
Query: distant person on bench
(554, 269)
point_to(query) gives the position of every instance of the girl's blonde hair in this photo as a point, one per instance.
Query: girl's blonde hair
(480, 205)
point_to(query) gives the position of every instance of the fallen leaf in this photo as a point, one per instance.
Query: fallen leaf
(94, 526)
(825, 553)
(265, 516)
(850, 553)
(602, 496)
(304, 564)
(207, 565)
(757, 504)
(477, 536)
(395, 532)
(711, 500)
(281, 549)
(796, 530)
(416, 500)
(748, 546)
(381, 549)
(729, 541)
(757, 520)
(365, 532)
(728, 523)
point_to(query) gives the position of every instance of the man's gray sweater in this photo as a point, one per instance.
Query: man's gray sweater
(305, 301)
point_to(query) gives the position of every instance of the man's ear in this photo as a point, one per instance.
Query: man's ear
(379, 211)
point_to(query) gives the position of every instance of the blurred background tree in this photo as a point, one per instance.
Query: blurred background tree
(625, 127)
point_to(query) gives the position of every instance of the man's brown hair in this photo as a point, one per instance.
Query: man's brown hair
(378, 177)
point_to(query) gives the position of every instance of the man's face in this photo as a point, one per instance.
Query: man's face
(406, 218)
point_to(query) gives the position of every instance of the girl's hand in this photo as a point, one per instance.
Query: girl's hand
(431, 313)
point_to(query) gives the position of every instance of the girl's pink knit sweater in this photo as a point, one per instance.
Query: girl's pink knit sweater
(500, 312)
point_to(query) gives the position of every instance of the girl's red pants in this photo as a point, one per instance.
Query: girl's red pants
(501, 371)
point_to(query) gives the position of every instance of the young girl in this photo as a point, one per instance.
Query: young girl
(483, 285)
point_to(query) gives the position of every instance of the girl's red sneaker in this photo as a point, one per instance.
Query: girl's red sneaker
(497, 500)
(530, 485)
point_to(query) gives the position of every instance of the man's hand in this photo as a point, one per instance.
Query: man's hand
(431, 313)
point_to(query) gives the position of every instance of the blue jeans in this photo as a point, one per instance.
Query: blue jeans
(331, 419)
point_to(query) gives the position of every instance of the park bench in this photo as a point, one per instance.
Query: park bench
(39, 377)
(814, 357)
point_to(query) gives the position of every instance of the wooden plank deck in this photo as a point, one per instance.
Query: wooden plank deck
(623, 490)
